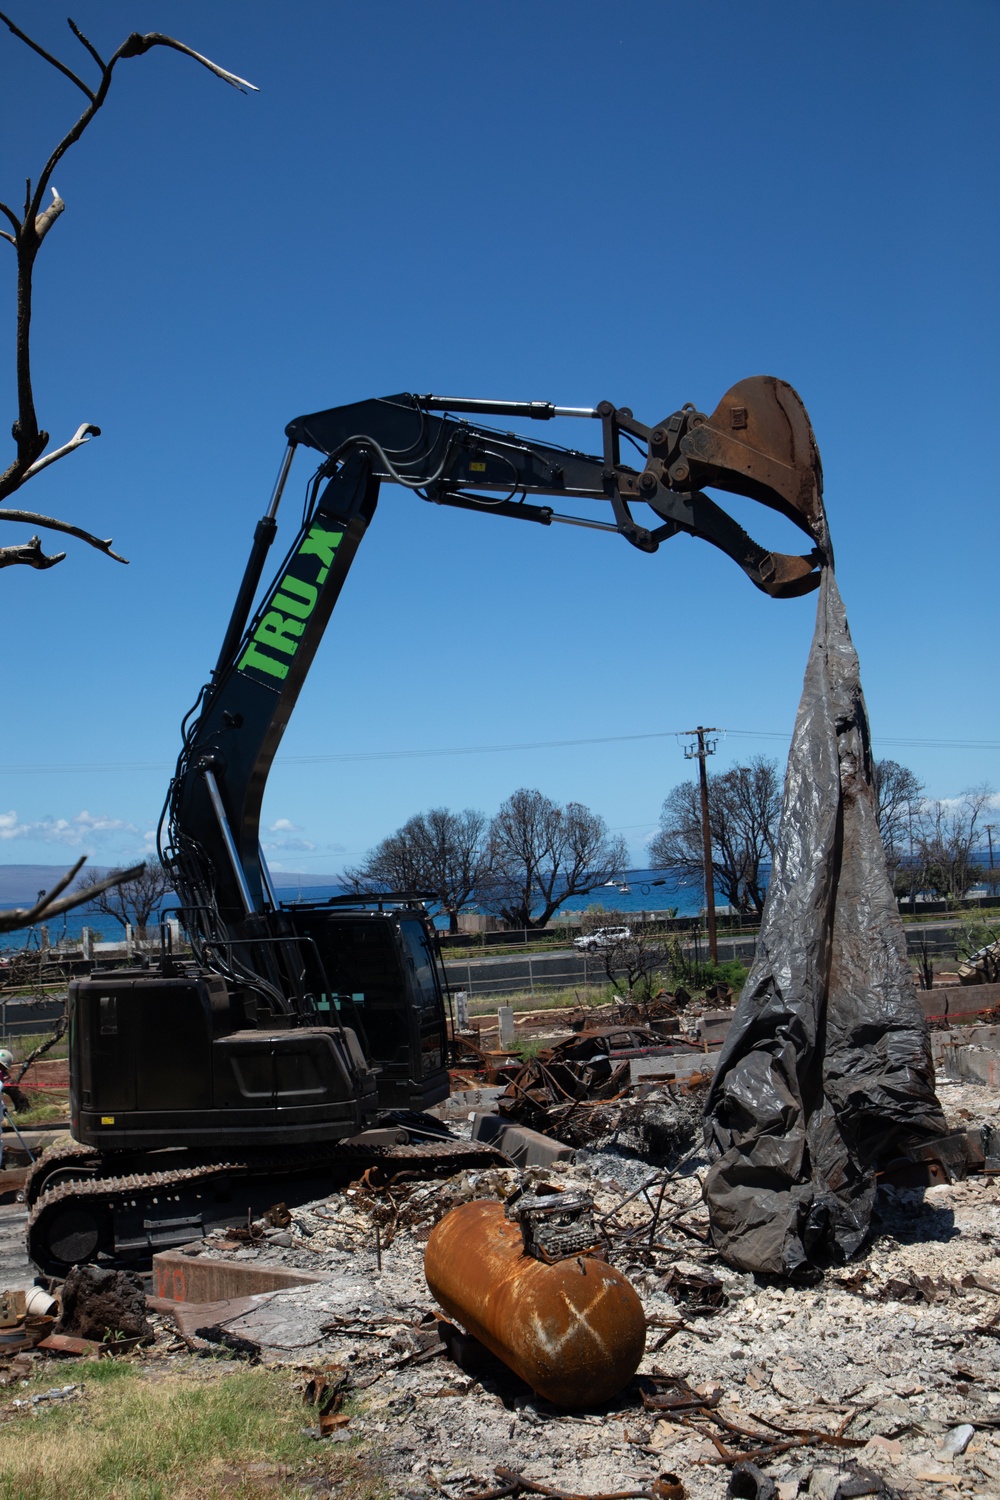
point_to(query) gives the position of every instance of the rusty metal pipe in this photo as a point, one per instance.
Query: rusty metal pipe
(574, 1330)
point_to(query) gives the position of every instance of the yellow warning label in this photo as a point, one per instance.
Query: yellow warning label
(478, 468)
(107, 1119)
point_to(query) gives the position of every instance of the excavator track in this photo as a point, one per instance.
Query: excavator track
(67, 1157)
(123, 1220)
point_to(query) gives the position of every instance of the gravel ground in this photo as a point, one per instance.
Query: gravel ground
(897, 1350)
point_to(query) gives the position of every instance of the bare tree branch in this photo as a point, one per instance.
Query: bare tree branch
(34, 519)
(48, 906)
(28, 555)
(45, 221)
(28, 232)
(56, 1035)
(47, 55)
(82, 435)
(136, 45)
(74, 28)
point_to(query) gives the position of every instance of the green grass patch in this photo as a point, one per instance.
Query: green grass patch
(549, 944)
(139, 1432)
(45, 1107)
(586, 995)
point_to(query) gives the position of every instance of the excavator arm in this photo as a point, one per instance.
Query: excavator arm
(758, 442)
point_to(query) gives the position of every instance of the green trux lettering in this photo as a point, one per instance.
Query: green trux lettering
(282, 627)
(254, 658)
(321, 544)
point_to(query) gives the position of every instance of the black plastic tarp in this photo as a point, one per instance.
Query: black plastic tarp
(827, 1066)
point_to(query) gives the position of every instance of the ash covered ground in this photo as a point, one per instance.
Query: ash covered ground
(889, 1356)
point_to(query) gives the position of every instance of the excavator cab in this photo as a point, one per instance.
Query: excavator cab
(384, 970)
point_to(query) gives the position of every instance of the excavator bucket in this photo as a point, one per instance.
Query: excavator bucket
(759, 442)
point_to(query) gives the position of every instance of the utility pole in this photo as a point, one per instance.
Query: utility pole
(913, 877)
(700, 752)
(989, 834)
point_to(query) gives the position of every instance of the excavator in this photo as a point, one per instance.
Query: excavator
(302, 1040)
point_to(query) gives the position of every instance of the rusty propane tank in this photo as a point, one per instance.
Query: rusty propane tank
(574, 1329)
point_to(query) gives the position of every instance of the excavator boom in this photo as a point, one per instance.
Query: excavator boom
(757, 442)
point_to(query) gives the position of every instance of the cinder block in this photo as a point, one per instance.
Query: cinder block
(954, 1000)
(459, 1106)
(680, 1066)
(526, 1148)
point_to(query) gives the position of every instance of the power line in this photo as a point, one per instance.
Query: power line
(889, 742)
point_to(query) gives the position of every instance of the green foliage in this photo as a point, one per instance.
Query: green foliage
(699, 975)
(731, 971)
(530, 1046)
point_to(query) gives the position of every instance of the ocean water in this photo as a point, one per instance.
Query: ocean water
(644, 890)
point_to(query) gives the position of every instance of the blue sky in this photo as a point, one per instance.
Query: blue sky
(553, 201)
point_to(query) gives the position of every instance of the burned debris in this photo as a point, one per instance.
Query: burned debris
(581, 1092)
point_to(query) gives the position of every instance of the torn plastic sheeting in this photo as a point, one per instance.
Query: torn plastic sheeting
(827, 1064)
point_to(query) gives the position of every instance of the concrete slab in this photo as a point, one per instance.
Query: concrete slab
(190, 1316)
(302, 1317)
(972, 1064)
(186, 1276)
(526, 1148)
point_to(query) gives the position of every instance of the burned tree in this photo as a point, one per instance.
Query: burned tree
(25, 235)
(440, 851)
(744, 809)
(898, 793)
(947, 838)
(642, 959)
(134, 897)
(540, 854)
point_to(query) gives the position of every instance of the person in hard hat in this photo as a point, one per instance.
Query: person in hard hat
(6, 1064)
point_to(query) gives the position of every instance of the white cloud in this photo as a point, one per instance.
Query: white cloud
(302, 846)
(84, 828)
(291, 839)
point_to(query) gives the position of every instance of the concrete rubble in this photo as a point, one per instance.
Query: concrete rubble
(877, 1369)
(880, 1377)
